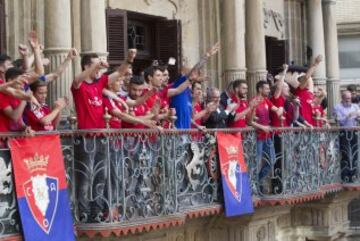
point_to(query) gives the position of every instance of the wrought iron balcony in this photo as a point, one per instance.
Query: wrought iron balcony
(130, 180)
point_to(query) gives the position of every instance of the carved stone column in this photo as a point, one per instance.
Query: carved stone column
(57, 44)
(316, 39)
(93, 27)
(332, 54)
(233, 19)
(255, 44)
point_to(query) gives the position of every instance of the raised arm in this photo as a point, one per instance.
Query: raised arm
(88, 72)
(307, 80)
(280, 82)
(212, 51)
(72, 54)
(35, 45)
(54, 115)
(124, 67)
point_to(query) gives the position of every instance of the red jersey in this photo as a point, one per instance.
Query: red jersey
(279, 103)
(89, 104)
(33, 117)
(161, 95)
(318, 111)
(243, 105)
(196, 109)
(139, 110)
(306, 100)
(115, 122)
(263, 114)
(18, 124)
(4, 120)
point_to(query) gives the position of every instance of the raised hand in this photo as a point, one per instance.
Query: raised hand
(131, 55)
(211, 107)
(72, 54)
(318, 59)
(103, 64)
(213, 50)
(254, 103)
(61, 102)
(33, 40)
(285, 67)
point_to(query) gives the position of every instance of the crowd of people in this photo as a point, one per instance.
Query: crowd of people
(151, 100)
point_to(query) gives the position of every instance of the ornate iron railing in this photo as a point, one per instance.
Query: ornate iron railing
(125, 179)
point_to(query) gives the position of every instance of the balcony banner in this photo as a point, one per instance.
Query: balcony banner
(41, 189)
(235, 179)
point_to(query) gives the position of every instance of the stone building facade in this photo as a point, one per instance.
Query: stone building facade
(257, 36)
(348, 22)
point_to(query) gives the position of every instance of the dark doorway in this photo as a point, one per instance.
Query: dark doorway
(276, 54)
(154, 37)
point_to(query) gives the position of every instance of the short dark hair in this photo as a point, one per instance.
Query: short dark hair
(12, 73)
(37, 84)
(18, 63)
(86, 60)
(237, 83)
(4, 57)
(163, 68)
(150, 72)
(194, 84)
(260, 85)
(137, 80)
(351, 88)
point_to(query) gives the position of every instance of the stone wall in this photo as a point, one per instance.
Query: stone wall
(318, 220)
(348, 11)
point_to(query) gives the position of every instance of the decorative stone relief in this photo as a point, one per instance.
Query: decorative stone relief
(172, 2)
(271, 231)
(261, 234)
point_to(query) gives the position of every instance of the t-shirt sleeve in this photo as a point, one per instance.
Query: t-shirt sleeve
(103, 81)
(269, 103)
(31, 117)
(107, 104)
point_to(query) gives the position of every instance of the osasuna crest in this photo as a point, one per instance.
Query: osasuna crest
(41, 193)
(233, 179)
(232, 173)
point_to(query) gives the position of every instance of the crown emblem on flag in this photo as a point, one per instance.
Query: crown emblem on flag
(37, 163)
(232, 150)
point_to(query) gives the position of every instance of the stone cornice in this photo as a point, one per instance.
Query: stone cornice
(348, 28)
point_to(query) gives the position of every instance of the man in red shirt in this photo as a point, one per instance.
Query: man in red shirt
(136, 89)
(265, 152)
(119, 116)
(91, 168)
(240, 90)
(43, 118)
(304, 86)
(12, 108)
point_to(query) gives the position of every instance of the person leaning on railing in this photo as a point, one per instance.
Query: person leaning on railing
(347, 114)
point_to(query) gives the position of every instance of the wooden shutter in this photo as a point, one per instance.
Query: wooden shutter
(2, 26)
(276, 54)
(168, 44)
(116, 22)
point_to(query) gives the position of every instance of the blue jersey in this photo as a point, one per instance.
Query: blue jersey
(183, 105)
